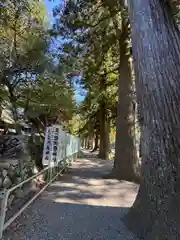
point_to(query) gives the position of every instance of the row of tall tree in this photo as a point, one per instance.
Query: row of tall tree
(97, 37)
(98, 52)
(100, 46)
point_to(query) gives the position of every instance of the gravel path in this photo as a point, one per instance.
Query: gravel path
(81, 206)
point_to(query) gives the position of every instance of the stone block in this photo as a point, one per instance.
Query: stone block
(4, 173)
(17, 180)
(7, 183)
(11, 172)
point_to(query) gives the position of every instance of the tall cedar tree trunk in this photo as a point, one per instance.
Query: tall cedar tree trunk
(90, 135)
(84, 143)
(92, 143)
(125, 148)
(155, 214)
(88, 143)
(96, 142)
(103, 148)
(125, 158)
(108, 127)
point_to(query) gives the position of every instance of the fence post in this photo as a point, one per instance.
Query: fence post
(4, 198)
(51, 173)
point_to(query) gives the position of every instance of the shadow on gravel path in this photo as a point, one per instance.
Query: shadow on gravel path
(81, 205)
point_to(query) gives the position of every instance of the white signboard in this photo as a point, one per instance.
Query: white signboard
(47, 147)
(58, 145)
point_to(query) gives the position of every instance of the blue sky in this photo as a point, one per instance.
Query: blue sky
(50, 5)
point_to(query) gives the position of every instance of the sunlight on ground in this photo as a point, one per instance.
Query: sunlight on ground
(84, 185)
(79, 205)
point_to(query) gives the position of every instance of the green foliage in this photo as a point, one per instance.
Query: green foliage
(91, 47)
(48, 99)
(32, 80)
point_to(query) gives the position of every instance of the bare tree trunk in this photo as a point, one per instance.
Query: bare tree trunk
(125, 146)
(88, 143)
(156, 51)
(125, 156)
(124, 149)
(84, 143)
(103, 148)
(104, 137)
(92, 142)
(96, 142)
(107, 138)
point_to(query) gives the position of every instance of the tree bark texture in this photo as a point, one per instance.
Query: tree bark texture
(103, 141)
(155, 214)
(124, 147)
(83, 142)
(88, 143)
(104, 132)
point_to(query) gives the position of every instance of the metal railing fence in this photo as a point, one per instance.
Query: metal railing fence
(50, 173)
